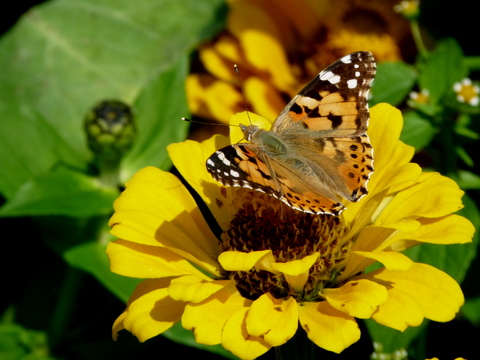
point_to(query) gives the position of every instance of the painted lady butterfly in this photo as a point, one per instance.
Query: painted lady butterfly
(317, 152)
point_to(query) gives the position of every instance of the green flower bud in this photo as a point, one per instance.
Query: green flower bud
(110, 129)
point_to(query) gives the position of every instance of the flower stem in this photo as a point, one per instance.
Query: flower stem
(109, 168)
(298, 347)
(417, 37)
(64, 306)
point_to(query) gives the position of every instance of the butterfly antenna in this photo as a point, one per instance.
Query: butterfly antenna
(203, 122)
(243, 92)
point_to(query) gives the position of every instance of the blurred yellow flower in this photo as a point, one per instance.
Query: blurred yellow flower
(271, 268)
(280, 45)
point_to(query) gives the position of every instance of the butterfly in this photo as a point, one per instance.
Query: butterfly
(317, 153)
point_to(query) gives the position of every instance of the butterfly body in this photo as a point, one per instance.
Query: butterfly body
(317, 152)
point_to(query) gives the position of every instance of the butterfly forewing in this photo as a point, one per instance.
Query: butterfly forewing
(335, 101)
(324, 154)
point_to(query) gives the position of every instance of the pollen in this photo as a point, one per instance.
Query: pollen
(265, 223)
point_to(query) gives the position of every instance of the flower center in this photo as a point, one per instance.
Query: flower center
(265, 223)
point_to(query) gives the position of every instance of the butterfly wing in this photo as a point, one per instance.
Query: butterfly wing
(328, 155)
(247, 165)
(334, 103)
(325, 125)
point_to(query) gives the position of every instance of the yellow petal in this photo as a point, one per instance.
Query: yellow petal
(194, 90)
(207, 318)
(436, 292)
(216, 64)
(369, 239)
(240, 261)
(150, 311)
(434, 196)
(236, 339)
(149, 229)
(391, 260)
(274, 320)
(386, 123)
(450, 229)
(189, 158)
(194, 288)
(263, 97)
(358, 298)
(400, 311)
(327, 327)
(147, 262)
(296, 272)
(229, 48)
(236, 134)
(156, 209)
(222, 100)
(259, 37)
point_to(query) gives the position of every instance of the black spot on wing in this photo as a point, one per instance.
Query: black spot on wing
(335, 119)
(296, 108)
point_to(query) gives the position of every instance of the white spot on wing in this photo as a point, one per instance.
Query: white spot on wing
(347, 59)
(235, 173)
(330, 76)
(210, 162)
(352, 84)
(334, 80)
(326, 76)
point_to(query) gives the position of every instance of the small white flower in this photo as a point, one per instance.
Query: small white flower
(467, 92)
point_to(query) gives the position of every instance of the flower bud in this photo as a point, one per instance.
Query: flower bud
(110, 128)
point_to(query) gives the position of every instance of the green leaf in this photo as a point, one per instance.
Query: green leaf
(393, 82)
(462, 154)
(391, 339)
(471, 310)
(64, 56)
(467, 180)
(462, 126)
(417, 131)
(92, 258)
(64, 192)
(159, 110)
(16, 342)
(472, 62)
(178, 334)
(442, 68)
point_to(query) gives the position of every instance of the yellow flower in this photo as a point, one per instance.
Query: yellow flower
(273, 268)
(280, 45)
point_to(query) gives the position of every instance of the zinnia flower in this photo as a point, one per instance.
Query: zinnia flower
(280, 45)
(273, 268)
